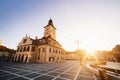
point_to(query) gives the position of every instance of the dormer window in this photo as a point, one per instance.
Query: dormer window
(24, 40)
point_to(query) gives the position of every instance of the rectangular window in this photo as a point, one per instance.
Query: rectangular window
(43, 50)
(39, 50)
(33, 48)
(53, 50)
(50, 50)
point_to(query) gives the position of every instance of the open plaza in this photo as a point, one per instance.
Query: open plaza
(69, 70)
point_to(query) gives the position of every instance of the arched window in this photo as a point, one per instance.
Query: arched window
(19, 57)
(21, 49)
(15, 58)
(28, 48)
(24, 49)
(26, 59)
(22, 58)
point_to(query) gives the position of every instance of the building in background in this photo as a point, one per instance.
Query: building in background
(78, 54)
(71, 55)
(112, 55)
(6, 53)
(43, 50)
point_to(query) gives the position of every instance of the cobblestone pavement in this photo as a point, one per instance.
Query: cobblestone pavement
(69, 70)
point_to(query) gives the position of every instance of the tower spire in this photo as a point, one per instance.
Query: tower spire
(50, 22)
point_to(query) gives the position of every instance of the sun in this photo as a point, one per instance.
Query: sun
(90, 54)
(89, 46)
(89, 50)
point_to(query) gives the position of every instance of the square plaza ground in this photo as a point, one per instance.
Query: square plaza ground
(69, 70)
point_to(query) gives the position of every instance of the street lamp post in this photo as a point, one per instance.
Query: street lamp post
(78, 50)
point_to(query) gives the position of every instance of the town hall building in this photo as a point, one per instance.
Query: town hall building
(44, 50)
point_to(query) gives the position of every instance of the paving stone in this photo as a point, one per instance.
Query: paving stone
(49, 69)
(60, 78)
(54, 73)
(32, 75)
(68, 76)
(60, 71)
(6, 69)
(14, 70)
(44, 77)
(43, 72)
(7, 77)
(71, 72)
(84, 78)
(85, 73)
(19, 78)
(75, 69)
(3, 74)
(23, 73)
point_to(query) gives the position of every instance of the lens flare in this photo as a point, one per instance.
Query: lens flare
(89, 54)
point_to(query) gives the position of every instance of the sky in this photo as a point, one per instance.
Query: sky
(95, 24)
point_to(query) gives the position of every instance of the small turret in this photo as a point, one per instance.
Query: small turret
(50, 22)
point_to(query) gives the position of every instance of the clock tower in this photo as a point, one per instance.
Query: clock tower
(50, 30)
